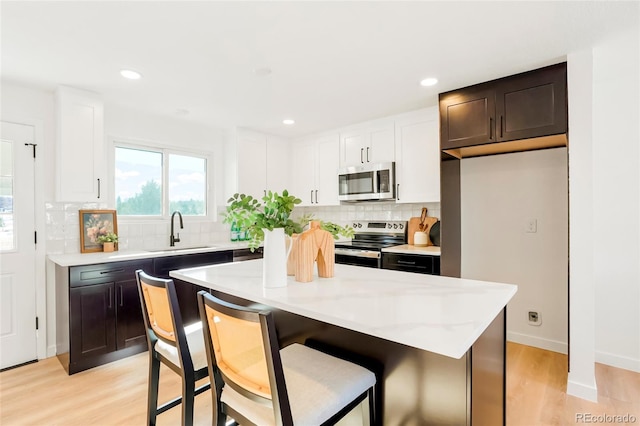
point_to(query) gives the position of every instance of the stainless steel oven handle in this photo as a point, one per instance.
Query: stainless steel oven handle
(358, 253)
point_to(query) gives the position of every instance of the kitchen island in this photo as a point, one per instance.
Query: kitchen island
(440, 341)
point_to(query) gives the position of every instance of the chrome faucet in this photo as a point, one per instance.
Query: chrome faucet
(173, 240)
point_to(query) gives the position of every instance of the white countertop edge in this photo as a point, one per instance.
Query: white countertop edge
(411, 249)
(79, 259)
(454, 349)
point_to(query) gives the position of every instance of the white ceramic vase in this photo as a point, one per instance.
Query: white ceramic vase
(274, 264)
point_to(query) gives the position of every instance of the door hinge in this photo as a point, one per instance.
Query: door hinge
(37, 326)
(33, 145)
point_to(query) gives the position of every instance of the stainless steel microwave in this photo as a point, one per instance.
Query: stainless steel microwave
(367, 182)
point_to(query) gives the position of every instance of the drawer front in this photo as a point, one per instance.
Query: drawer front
(99, 273)
(411, 263)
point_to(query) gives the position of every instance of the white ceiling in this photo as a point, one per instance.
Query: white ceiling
(333, 63)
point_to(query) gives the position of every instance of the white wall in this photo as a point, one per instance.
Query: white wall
(581, 379)
(500, 195)
(616, 180)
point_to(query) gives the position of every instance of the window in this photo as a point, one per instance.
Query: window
(150, 182)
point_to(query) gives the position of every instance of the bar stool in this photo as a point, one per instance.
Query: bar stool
(258, 383)
(179, 348)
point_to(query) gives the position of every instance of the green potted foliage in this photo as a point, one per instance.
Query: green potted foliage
(254, 217)
(108, 241)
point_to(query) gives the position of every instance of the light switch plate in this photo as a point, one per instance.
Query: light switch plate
(532, 226)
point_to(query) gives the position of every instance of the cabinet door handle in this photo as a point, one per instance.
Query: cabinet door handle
(98, 188)
(490, 128)
(361, 153)
(367, 154)
(112, 271)
(311, 196)
(500, 126)
(405, 262)
(121, 289)
(397, 191)
(110, 297)
(316, 196)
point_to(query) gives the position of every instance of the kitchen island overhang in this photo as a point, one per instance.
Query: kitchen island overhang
(441, 340)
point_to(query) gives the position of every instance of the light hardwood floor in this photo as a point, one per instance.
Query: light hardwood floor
(115, 394)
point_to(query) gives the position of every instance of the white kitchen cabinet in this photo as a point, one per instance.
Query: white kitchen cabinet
(372, 142)
(417, 157)
(315, 164)
(80, 149)
(256, 163)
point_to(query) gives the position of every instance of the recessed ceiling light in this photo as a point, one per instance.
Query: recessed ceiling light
(288, 122)
(130, 74)
(429, 81)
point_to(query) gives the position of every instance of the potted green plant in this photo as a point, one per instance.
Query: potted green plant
(267, 223)
(108, 241)
(253, 217)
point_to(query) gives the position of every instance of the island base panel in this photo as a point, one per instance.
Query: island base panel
(419, 387)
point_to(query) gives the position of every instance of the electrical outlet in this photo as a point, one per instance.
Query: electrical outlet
(532, 226)
(534, 318)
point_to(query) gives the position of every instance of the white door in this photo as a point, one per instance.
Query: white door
(17, 245)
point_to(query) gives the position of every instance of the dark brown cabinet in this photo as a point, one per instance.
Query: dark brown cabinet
(93, 321)
(98, 312)
(101, 312)
(523, 106)
(421, 264)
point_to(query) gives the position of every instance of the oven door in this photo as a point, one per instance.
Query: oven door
(367, 258)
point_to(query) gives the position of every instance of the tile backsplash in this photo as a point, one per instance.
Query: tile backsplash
(348, 213)
(63, 228)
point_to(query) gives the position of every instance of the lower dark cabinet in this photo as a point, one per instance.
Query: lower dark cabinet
(99, 318)
(422, 264)
(98, 313)
(92, 316)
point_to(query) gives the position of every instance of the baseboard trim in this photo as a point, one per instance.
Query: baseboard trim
(537, 342)
(51, 351)
(618, 361)
(580, 390)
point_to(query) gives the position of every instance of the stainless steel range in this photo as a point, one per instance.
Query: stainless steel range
(365, 249)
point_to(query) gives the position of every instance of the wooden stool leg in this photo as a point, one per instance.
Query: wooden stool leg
(152, 397)
(188, 395)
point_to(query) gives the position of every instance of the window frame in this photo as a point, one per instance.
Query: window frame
(165, 151)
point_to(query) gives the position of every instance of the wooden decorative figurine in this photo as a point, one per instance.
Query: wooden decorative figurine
(313, 246)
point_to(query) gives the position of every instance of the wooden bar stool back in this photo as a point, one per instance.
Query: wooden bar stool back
(180, 348)
(257, 383)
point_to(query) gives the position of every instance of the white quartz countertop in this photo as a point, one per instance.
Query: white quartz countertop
(411, 249)
(433, 313)
(77, 259)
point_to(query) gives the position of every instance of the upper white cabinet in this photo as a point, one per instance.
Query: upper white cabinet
(80, 148)
(314, 177)
(257, 163)
(418, 156)
(372, 142)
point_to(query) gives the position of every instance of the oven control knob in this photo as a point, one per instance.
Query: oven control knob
(359, 225)
(401, 226)
(389, 225)
(395, 226)
(355, 225)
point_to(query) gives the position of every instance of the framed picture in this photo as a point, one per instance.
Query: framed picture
(94, 223)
